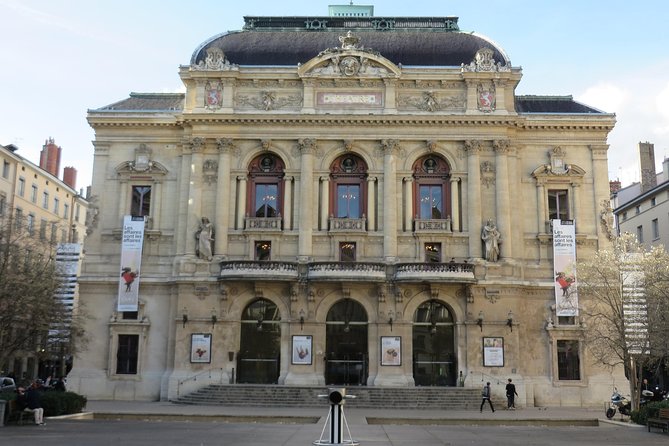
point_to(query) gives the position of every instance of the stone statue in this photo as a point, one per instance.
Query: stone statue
(204, 236)
(490, 235)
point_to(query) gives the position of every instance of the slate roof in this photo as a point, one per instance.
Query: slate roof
(148, 102)
(412, 41)
(551, 104)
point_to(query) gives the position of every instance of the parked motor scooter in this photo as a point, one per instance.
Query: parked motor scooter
(619, 403)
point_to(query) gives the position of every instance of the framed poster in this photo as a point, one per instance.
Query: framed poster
(391, 350)
(493, 352)
(302, 350)
(200, 347)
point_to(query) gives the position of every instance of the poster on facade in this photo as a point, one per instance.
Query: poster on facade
(493, 352)
(302, 350)
(200, 347)
(131, 260)
(391, 350)
(564, 263)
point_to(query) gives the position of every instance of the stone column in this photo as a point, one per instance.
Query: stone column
(455, 204)
(307, 148)
(600, 173)
(156, 205)
(288, 203)
(576, 202)
(390, 96)
(391, 148)
(184, 194)
(472, 148)
(371, 204)
(308, 96)
(125, 193)
(325, 203)
(502, 196)
(408, 204)
(194, 201)
(227, 105)
(241, 202)
(223, 197)
(542, 218)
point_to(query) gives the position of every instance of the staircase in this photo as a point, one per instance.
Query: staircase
(366, 397)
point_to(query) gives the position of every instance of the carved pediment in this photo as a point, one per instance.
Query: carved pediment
(142, 163)
(349, 61)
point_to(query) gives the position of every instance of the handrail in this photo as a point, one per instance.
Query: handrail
(490, 377)
(194, 377)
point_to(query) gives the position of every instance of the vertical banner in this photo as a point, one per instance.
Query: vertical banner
(564, 263)
(131, 261)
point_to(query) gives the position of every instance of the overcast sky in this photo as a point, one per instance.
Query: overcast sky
(61, 58)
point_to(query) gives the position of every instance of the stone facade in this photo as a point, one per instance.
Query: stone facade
(345, 149)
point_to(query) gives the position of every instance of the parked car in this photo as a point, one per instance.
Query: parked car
(7, 384)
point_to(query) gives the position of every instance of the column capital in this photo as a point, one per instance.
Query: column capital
(195, 144)
(472, 146)
(227, 145)
(307, 145)
(501, 146)
(390, 146)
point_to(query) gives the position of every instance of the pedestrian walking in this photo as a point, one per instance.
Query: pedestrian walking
(511, 395)
(485, 394)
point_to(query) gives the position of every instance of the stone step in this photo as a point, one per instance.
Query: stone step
(366, 397)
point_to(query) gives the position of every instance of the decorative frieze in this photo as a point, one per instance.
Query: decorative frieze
(268, 100)
(431, 102)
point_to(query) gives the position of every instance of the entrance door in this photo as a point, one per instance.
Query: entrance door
(346, 361)
(434, 359)
(260, 344)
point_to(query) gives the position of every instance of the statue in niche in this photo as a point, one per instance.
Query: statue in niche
(490, 235)
(204, 237)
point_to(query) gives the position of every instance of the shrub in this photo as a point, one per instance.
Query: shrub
(62, 403)
(649, 410)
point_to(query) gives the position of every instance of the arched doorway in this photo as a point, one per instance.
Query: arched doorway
(346, 360)
(434, 349)
(260, 343)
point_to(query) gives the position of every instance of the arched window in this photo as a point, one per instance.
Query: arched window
(266, 186)
(349, 187)
(432, 188)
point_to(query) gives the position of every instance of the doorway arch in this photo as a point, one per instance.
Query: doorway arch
(434, 347)
(259, 358)
(346, 360)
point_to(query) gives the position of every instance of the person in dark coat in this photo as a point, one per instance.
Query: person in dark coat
(29, 401)
(485, 394)
(511, 395)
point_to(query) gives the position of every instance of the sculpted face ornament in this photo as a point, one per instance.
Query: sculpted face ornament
(349, 66)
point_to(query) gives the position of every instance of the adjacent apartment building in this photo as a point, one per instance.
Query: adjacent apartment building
(51, 209)
(342, 200)
(643, 208)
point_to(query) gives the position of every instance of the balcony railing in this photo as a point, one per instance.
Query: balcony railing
(432, 225)
(369, 272)
(263, 223)
(434, 271)
(348, 224)
(249, 269)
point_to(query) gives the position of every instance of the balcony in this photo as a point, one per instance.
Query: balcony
(348, 224)
(435, 272)
(256, 270)
(263, 224)
(432, 225)
(356, 271)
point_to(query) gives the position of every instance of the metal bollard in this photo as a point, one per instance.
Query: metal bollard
(336, 418)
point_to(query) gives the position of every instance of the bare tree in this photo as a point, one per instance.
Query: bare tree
(31, 318)
(624, 306)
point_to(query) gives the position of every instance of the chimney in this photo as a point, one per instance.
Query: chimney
(49, 158)
(70, 177)
(614, 186)
(647, 162)
(665, 170)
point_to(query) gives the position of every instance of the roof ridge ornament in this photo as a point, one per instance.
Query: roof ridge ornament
(215, 61)
(349, 41)
(485, 62)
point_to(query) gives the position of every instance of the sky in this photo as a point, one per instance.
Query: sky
(59, 59)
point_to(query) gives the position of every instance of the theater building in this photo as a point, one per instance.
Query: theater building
(342, 201)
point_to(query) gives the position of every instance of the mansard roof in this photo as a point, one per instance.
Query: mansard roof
(148, 102)
(552, 104)
(409, 41)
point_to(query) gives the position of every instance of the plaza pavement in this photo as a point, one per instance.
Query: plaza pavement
(162, 423)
